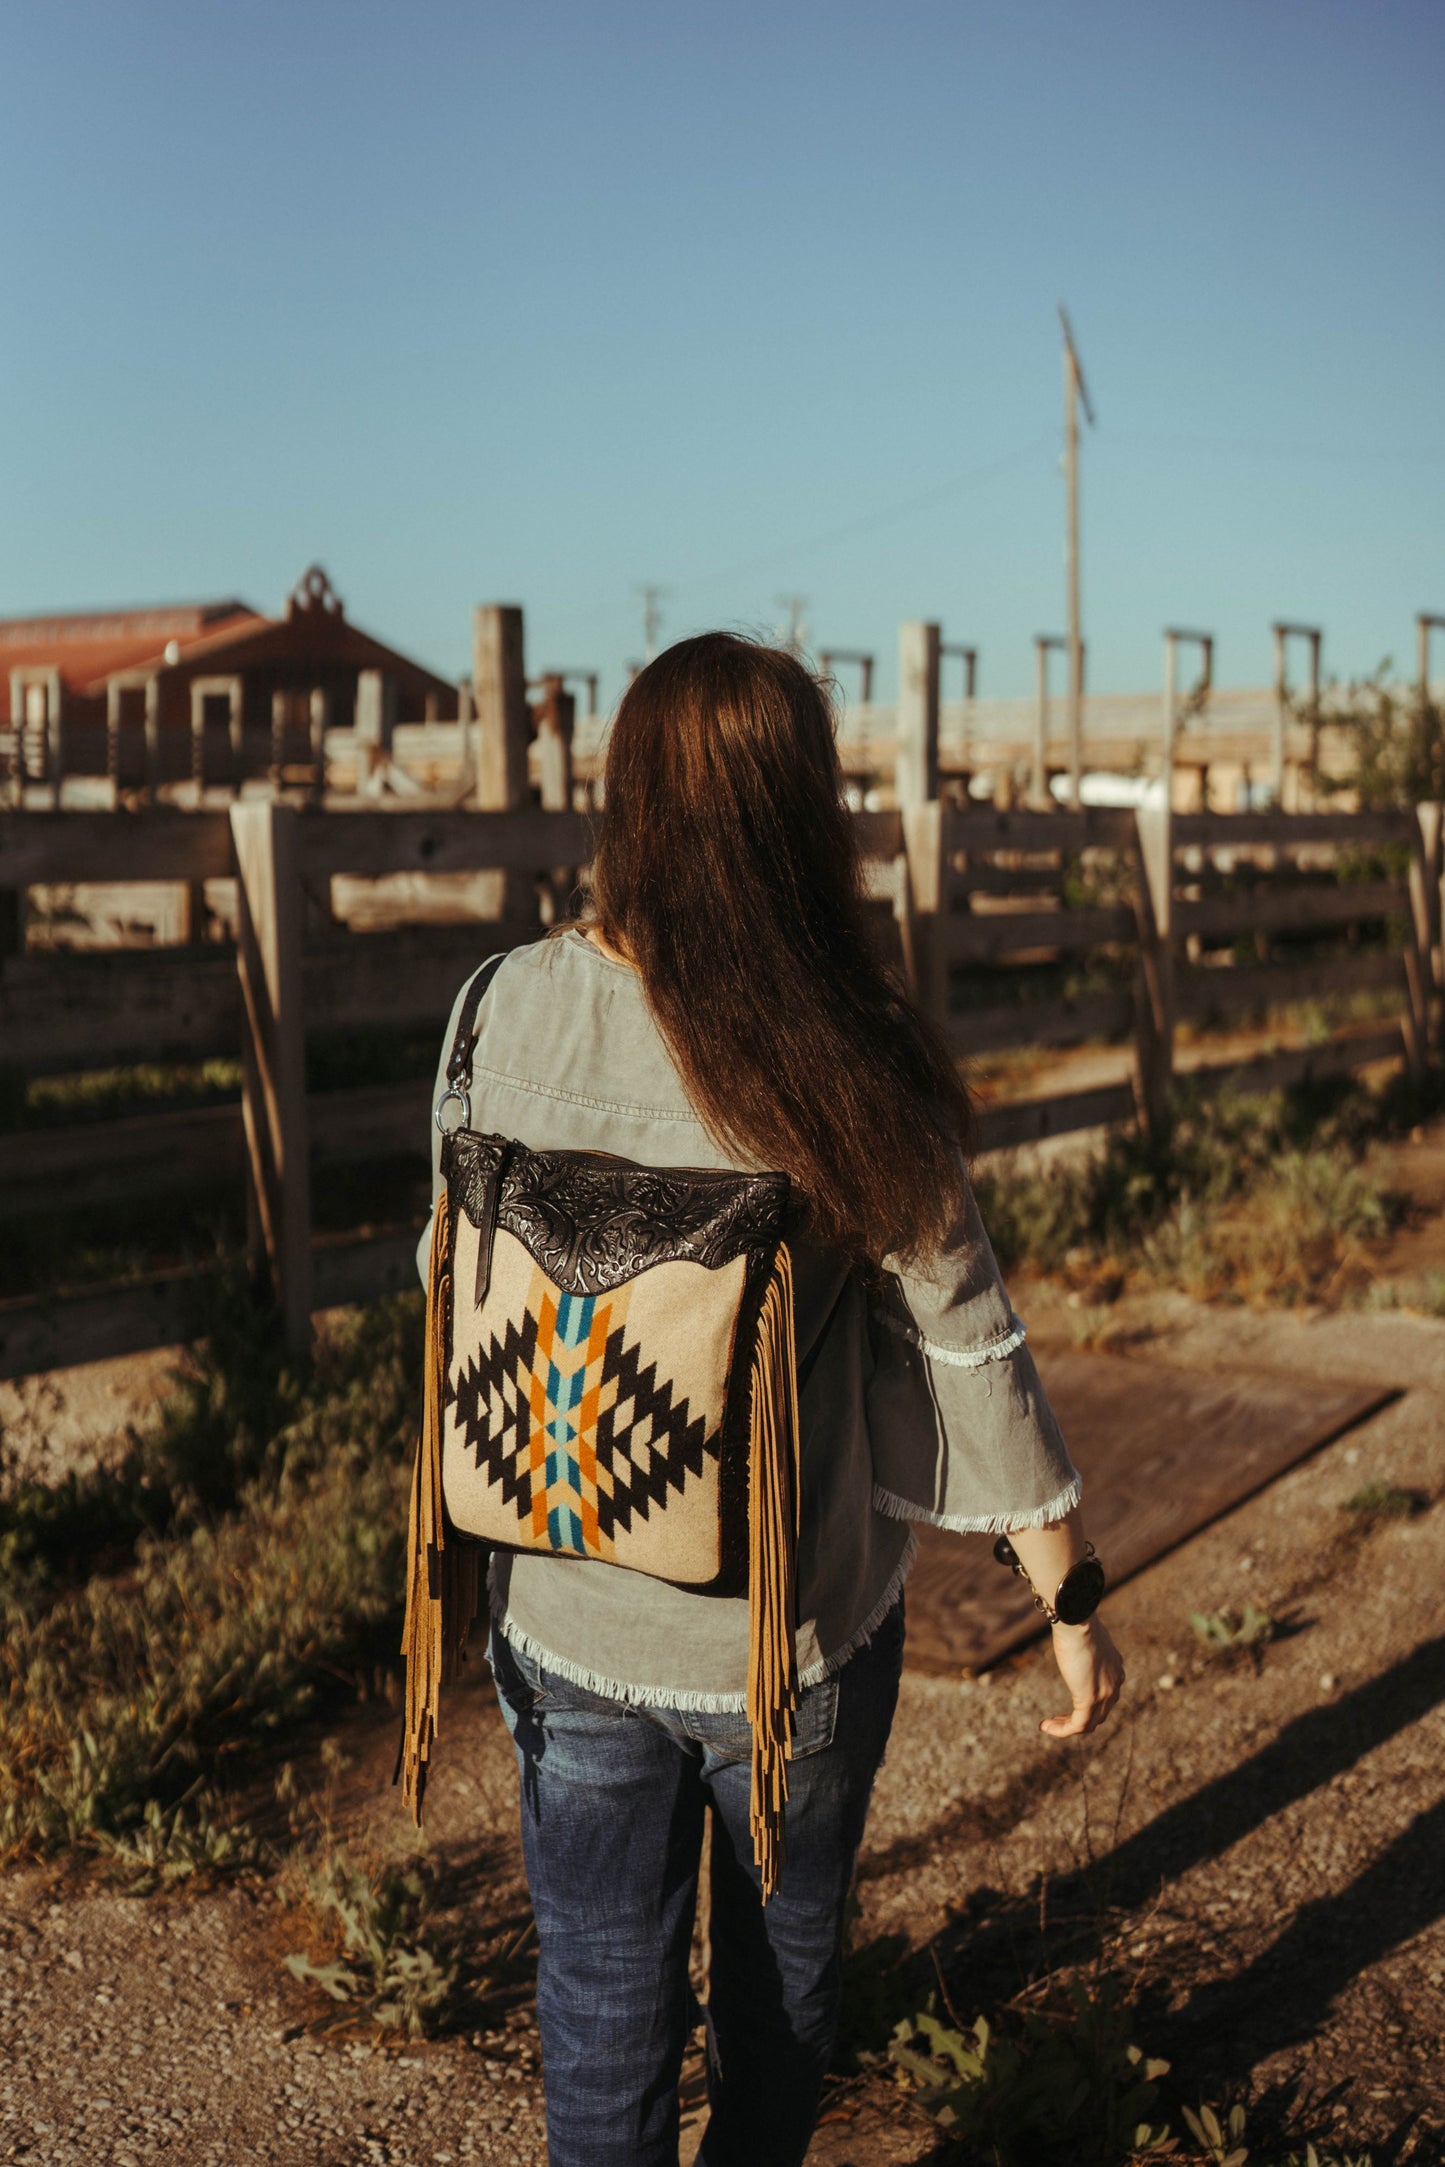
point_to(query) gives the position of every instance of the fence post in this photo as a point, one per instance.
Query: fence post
(500, 734)
(1424, 960)
(265, 839)
(502, 719)
(915, 785)
(915, 773)
(1281, 716)
(556, 714)
(556, 719)
(1154, 906)
(467, 767)
(925, 899)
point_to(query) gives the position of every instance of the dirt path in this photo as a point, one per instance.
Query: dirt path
(1260, 1854)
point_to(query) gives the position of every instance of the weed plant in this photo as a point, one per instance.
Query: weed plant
(241, 1562)
(1250, 1196)
(1377, 1502)
(1068, 2086)
(1235, 1632)
(1066, 2089)
(379, 1957)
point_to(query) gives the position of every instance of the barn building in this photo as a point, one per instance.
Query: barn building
(206, 693)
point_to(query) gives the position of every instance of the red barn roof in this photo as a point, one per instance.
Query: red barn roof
(89, 646)
(225, 636)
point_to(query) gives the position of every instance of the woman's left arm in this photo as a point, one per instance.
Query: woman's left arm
(1089, 1663)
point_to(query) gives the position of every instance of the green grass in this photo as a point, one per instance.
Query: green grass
(1268, 1197)
(241, 1565)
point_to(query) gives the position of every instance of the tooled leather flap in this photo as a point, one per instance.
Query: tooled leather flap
(471, 1166)
(593, 1222)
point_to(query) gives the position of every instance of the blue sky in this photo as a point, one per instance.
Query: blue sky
(538, 303)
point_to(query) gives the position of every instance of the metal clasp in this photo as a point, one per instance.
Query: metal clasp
(449, 1128)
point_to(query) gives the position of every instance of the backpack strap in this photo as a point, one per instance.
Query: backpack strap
(806, 1368)
(464, 1045)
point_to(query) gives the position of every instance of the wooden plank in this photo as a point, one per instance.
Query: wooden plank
(1233, 829)
(160, 843)
(884, 881)
(406, 978)
(1042, 1023)
(144, 1154)
(1293, 909)
(377, 1121)
(273, 1099)
(1028, 1121)
(60, 1013)
(986, 828)
(66, 1331)
(362, 1271)
(373, 843)
(974, 879)
(165, 1309)
(880, 835)
(1163, 1452)
(979, 936)
(104, 1162)
(1292, 1064)
(1224, 992)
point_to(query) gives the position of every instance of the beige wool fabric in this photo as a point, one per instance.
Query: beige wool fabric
(922, 1404)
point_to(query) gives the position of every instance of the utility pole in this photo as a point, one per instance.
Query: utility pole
(651, 618)
(1075, 391)
(1425, 624)
(797, 633)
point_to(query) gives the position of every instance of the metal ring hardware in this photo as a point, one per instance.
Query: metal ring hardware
(453, 1091)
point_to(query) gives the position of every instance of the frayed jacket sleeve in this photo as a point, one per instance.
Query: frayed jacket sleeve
(423, 1247)
(962, 1434)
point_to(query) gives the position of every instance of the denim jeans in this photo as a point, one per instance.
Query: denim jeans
(613, 1804)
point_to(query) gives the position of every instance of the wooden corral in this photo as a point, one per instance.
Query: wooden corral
(1016, 928)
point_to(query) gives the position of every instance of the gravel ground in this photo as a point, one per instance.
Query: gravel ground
(1258, 1851)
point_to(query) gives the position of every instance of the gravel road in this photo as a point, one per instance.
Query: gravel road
(1259, 1853)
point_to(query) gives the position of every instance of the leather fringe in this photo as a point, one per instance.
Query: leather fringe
(773, 1505)
(443, 1583)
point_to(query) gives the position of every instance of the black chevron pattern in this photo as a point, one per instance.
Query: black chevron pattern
(648, 1443)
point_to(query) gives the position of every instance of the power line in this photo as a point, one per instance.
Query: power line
(884, 516)
(1247, 448)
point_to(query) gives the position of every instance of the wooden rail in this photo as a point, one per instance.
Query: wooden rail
(1027, 927)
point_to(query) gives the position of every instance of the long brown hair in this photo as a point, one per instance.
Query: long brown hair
(728, 870)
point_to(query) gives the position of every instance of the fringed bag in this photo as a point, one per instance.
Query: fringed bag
(610, 1375)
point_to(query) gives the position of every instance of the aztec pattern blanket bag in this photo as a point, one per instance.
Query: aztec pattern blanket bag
(610, 1375)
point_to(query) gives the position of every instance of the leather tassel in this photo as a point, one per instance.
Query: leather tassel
(443, 1579)
(773, 1506)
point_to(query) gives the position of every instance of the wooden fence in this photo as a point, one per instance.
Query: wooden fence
(1016, 929)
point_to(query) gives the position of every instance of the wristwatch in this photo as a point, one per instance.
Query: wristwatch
(1077, 1596)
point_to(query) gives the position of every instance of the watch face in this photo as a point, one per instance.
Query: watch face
(1080, 1592)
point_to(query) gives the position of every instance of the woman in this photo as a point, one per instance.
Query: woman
(720, 1006)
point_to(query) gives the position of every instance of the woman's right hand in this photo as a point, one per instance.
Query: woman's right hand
(1092, 1669)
